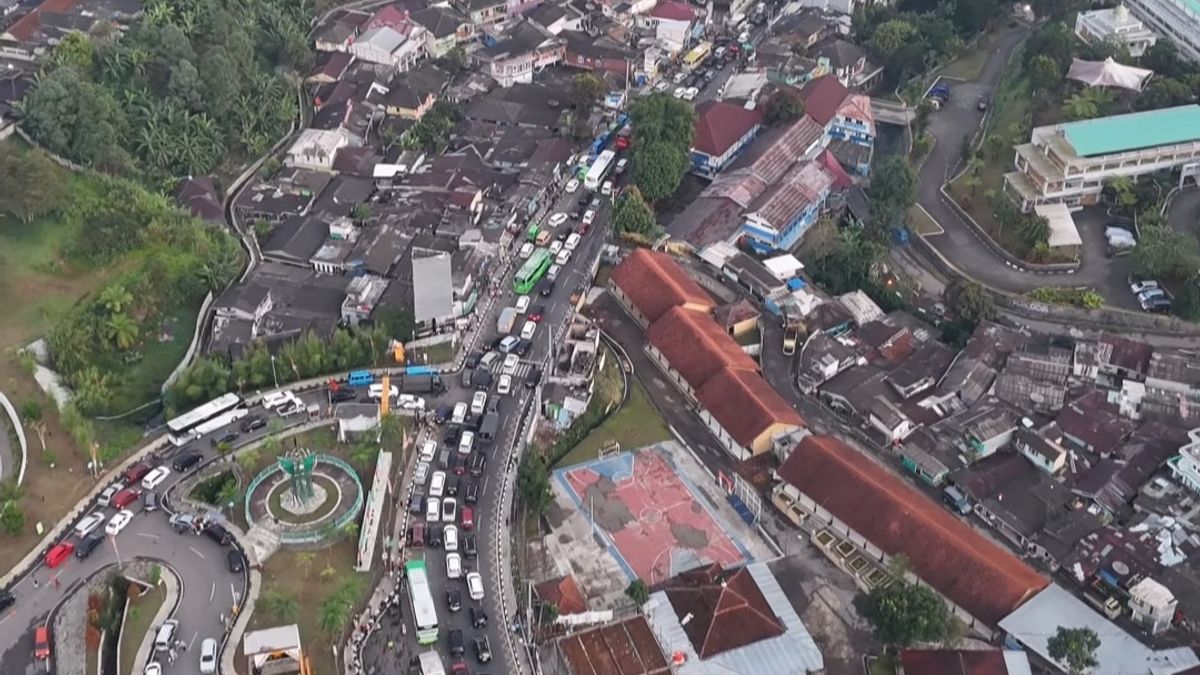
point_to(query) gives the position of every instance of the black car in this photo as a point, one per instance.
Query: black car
(88, 544)
(452, 485)
(6, 600)
(533, 376)
(472, 495)
(187, 461)
(495, 343)
(227, 437)
(150, 501)
(523, 347)
(455, 641)
(481, 378)
(458, 464)
(478, 617)
(477, 461)
(253, 422)
(483, 651)
(453, 600)
(433, 536)
(452, 435)
(473, 359)
(234, 560)
(442, 414)
(546, 289)
(416, 503)
(218, 534)
(468, 546)
(342, 395)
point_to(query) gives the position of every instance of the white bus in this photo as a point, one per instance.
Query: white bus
(423, 609)
(180, 428)
(220, 420)
(431, 664)
(599, 171)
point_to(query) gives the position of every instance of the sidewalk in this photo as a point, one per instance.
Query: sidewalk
(170, 583)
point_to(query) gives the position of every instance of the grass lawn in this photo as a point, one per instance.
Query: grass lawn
(921, 223)
(881, 665)
(636, 424)
(142, 611)
(969, 65)
(443, 352)
(291, 573)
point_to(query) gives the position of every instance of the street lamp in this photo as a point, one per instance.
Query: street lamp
(273, 373)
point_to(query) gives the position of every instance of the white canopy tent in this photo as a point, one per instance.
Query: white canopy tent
(1108, 73)
(1062, 226)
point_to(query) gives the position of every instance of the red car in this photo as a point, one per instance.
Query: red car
(468, 518)
(56, 555)
(535, 313)
(582, 229)
(416, 536)
(41, 643)
(126, 497)
(459, 668)
(136, 472)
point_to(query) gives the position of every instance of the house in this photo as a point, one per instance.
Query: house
(1046, 453)
(483, 13)
(628, 644)
(846, 118)
(199, 197)
(1088, 424)
(889, 420)
(692, 348)
(515, 56)
(1172, 389)
(802, 30)
(863, 502)
(987, 428)
(598, 53)
(744, 413)
(731, 621)
(672, 22)
(315, 149)
(1152, 605)
(337, 33)
(963, 662)
(445, 28)
(648, 284)
(412, 94)
(1185, 467)
(738, 318)
(780, 217)
(563, 593)
(723, 131)
(388, 46)
(847, 62)
(329, 67)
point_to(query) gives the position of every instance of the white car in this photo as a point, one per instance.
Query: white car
(558, 219)
(153, 668)
(527, 330)
(564, 257)
(555, 247)
(510, 364)
(662, 86)
(572, 185)
(450, 538)
(622, 164)
(89, 524)
(421, 473)
(453, 566)
(411, 402)
(208, 656)
(155, 478)
(607, 188)
(375, 391)
(589, 216)
(118, 522)
(526, 250)
(475, 585)
(552, 273)
(433, 509)
(109, 492)
(691, 94)
(1142, 286)
(522, 303)
(460, 413)
(428, 450)
(572, 241)
(437, 484)
(449, 510)
(479, 400)
(505, 386)
(679, 77)
(680, 92)
(465, 443)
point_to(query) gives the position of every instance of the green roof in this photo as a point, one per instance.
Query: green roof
(1135, 131)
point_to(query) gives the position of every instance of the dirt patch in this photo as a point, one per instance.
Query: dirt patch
(688, 536)
(606, 510)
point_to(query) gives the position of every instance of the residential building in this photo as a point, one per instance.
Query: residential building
(1045, 453)
(1070, 163)
(1115, 25)
(889, 420)
(315, 149)
(483, 13)
(1172, 390)
(672, 22)
(846, 118)
(445, 28)
(723, 131)
(1152, 605)
(600, 53)
(563, 593)
(964, 662)
(987, 428)
(839, 488)
(1185, 466)
(515, 56)
(780, 217)
(628, 644)
(337, 33)
(731, 621)
(1178, 20)
(648, 284)
(387, 46)
(847, 62)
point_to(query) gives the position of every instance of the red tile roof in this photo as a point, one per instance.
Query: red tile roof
(952, 662)
(841, 179)
(726, 609)
(745, 405)
(655, 283)
(564, 593)
(625, 648)
(30, 24)
(974, 573)
(673, 11)
(696, 347)
(719, 125)
(822, 97)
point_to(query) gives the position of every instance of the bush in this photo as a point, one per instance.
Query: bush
(212, 490)
(1075, 297)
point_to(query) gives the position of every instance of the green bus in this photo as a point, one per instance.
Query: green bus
(533, 231)
(423, 609)
(532, 271)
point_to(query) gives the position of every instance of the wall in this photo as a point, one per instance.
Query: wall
(16, 422)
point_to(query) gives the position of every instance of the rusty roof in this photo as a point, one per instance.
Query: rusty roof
(719, 125)
(745, 405)
(696, 347)
(624, 648)
(655, 283)
(721, 609)
(564, 593)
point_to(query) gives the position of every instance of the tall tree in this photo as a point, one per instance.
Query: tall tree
(632, 214)
(586, 90)
(658, 168)
(533, 483)
(784, 106)
(1044, 73)
(904, 613)
(1166, 252)
(969, 301)
(1074, 648)
(892, 192)
(31, 185)
(638, 592)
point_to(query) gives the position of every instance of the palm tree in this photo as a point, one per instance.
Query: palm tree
(364, 452)
(350, 530)
(391, 431)
(123, 331)
(283, 606)
(305, 560)
(224, 448)
(328, 572)
(333, 617)
(248, 459)
(116, 298)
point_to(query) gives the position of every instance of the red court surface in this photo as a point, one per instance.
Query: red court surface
(653, 518)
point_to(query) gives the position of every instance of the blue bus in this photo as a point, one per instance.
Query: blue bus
(360, 378)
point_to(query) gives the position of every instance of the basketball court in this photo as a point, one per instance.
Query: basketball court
(653, 519)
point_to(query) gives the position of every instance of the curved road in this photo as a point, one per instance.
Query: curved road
(959, 243)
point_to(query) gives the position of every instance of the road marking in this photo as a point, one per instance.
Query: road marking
(192, 641)
(148, 535)
(483, 490)
(233, 593)
(212, 592)
(193, 550)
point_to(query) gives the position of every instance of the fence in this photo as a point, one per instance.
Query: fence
(310, 536)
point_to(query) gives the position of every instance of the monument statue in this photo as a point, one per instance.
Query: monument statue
(298, 465)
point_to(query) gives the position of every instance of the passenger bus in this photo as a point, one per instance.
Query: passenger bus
(219, 421)
(423, 610)
(599, 171)
(695, 57)
(532, 271)
(181, 428)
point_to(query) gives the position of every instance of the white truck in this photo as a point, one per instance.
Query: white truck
(508, 317)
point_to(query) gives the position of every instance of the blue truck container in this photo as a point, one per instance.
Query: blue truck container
(360, 378)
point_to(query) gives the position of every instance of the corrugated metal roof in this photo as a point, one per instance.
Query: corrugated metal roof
(433, 294)
(1134, 131)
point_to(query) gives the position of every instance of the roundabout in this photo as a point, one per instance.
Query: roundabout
(305, 498)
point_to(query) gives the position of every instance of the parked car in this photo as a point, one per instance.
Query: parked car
(155, 478)
(234, 561)
(118, 522)
(111, 491)
(134, 473)
(208, 656)
(187, 461)
(41, 643)
(1143, 286)
(126, 497)
(87, 545)
(218, 534)
(88, 524)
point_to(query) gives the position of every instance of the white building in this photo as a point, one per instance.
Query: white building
(1115, 25)
(1186, 465)
(316, 148)
(386, 46)
(1178, 20)
(1152, 605)
(1070, 163)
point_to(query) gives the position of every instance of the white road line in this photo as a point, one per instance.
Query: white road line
(193, 640)
(193, 550)
(483, 490)
(212, 591)
(233, 593)
(148, 535)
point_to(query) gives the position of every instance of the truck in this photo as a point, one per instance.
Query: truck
(423, 383)
(791, 335)
(508, 317)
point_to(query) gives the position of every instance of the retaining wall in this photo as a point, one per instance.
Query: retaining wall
(16, 422)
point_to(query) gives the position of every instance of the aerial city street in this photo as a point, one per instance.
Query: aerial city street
(580, 338)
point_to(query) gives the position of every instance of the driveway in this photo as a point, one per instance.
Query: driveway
(960, 243)
(1184, 214)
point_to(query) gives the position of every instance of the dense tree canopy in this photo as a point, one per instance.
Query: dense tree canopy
(1074, 648)
(663, 127)
(30, 185)
(632, 214)
(892, 192)
(904, 613)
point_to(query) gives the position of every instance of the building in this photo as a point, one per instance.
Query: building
(723, 131)
(648, 284)
(516, 55)
(1152, 605)
(387, 46)
(714, 620)
(964, 662)
(859, 500)
(1045, 453)
(672, 23)
(1115, 25)
(846, 118)
(273, 651)
(1178, 20)
(780, 217)
(627, 647)
(445, 28)
(1070, 163)
(483, 13)
(1186, 465)
(316, 149)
